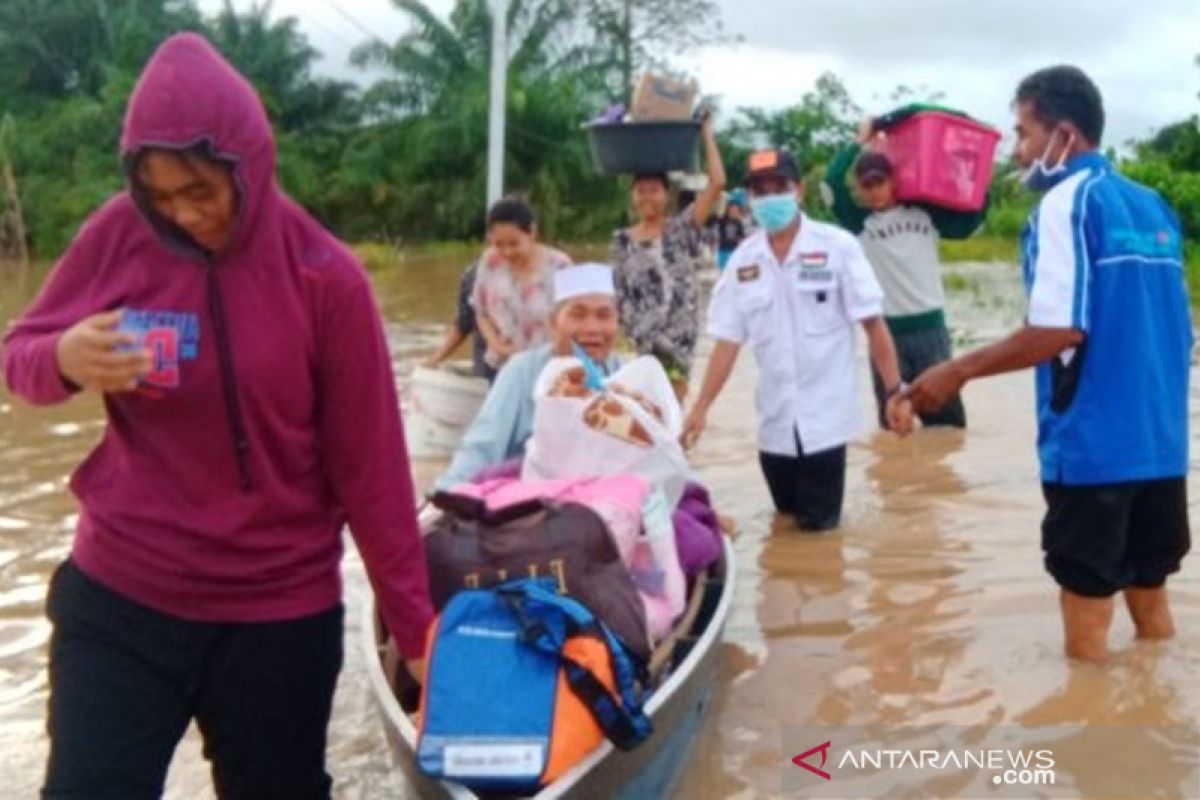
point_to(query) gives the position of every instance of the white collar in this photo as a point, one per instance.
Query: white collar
(802, 242)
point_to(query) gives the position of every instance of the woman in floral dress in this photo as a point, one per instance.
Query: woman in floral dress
(514, 283)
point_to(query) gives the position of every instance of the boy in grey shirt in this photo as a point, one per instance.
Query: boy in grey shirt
(901, 243)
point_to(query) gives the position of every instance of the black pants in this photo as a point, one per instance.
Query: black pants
(810, 487)
(126, 680)
(917, 351)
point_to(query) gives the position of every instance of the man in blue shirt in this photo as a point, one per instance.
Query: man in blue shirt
(1109, 329)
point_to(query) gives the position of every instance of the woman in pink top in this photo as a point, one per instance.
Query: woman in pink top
(514, 285)
(251, 415)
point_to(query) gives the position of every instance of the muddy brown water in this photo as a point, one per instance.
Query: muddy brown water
(930, 606)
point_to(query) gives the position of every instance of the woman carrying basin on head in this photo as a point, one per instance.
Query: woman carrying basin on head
(656, 262)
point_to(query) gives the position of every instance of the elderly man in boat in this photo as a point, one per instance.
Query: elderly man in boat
(584, 325)
(585, 315)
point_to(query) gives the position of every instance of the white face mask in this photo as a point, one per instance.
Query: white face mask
(1040, 178)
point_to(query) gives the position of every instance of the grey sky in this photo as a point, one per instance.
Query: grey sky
(975, 51)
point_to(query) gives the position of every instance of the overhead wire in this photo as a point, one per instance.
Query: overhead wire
(353, 20)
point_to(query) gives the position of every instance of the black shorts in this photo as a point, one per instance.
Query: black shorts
(1101, 539)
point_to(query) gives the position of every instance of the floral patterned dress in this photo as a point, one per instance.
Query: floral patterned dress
(658, 291)
(519, 307)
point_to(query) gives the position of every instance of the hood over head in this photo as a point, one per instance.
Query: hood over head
(190, 96)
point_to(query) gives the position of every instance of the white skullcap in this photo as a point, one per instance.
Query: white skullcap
(581, 279)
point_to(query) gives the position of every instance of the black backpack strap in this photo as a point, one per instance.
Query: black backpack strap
(626, 728)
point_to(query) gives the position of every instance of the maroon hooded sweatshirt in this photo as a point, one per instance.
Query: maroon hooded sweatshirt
(220, 487)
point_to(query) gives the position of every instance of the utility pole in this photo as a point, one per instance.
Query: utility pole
(627, 52)
(496, 114)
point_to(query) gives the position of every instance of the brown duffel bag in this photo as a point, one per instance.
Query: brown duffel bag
(470, 546)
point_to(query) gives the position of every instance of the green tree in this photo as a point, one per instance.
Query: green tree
(1177, 144)
(13, 243)
(278, 60)
(68, 100)
(1179, 188)
(403, 159)
(434, 107)
(632, 35)
(65, 157)
(66, 70)
(313, 117)
(437, 57)
(825, 118)
(52, 49)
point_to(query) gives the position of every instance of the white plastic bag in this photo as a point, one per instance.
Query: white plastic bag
(631, 428)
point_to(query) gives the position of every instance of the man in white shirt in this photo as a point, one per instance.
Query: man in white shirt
(794, 292)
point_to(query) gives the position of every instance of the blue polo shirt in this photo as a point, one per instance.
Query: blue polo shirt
(1103, 255)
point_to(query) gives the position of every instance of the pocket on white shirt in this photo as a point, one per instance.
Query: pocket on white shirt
(820, 308)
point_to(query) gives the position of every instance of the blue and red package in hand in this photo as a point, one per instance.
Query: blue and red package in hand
(172, 337)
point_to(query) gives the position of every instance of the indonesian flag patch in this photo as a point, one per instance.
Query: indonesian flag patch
(816, 260)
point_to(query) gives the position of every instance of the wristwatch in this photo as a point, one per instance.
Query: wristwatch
(900, 388)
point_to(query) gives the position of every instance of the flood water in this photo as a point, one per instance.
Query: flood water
(929, 606)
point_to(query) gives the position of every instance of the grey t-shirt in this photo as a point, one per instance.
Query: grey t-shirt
(902, 246)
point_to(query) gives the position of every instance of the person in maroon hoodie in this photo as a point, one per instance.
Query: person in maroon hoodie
(251, 415)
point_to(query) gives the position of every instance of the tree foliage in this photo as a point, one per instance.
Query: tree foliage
(404, 158)
(813, 129)
(1180, 188)
(633, 35)
(432, 111)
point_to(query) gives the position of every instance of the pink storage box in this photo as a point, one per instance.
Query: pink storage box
(941, 159)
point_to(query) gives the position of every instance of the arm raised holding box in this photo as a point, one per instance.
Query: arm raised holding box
(707, 200)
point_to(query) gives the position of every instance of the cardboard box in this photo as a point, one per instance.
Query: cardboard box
(658, 97)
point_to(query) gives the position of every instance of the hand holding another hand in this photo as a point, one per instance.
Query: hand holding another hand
(900, 415)
(936, 387)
